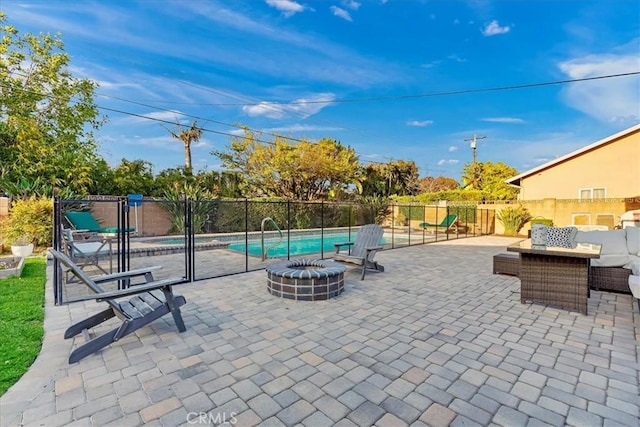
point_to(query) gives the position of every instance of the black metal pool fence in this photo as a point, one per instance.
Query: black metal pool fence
(192, 238)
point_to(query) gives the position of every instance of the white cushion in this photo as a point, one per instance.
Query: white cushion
(634, 285)
(633, 264)
(611, 260)
(633, 240)
(613, 241)
(89, 249)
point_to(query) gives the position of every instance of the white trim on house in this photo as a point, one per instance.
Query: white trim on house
(591, 190)
(516, 179)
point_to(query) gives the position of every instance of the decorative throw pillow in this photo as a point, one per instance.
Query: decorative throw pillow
(562, 237)
(538, 235)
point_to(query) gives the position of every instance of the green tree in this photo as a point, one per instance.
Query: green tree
(304, 171)
(133, 177)
(430, 184)
(490, 179)
(396, 178)
(47, 116)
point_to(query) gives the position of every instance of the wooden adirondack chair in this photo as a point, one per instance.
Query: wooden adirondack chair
(363, 249)
(148, 301)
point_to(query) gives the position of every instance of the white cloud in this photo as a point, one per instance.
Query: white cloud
(287, 7)
(341, 13)
(419, 123)
(351, 4)
(611, 100)
(453, 148)
(300, 107)
(456, 58)
(154, 117)
(503, 120)
(303, 128)
(447, 162)
(493, 29)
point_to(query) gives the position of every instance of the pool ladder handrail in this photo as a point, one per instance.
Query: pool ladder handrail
(265, 250)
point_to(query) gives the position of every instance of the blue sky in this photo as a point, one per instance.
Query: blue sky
(367, 73)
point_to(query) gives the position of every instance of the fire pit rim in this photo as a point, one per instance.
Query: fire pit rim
(289, 268)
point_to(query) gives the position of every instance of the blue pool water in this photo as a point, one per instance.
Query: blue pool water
(298, 245)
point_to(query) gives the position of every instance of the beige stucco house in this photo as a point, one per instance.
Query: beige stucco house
(609, 168)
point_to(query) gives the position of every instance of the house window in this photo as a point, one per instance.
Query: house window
(592, 193)
(581, 219)
(606, 219)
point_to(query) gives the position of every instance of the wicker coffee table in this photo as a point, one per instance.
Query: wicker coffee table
(555, 276)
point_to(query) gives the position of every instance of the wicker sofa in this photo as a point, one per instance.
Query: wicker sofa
(620, 252)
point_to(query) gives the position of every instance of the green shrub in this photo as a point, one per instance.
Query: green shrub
(202, 206)
(30, 221)
(513, 219)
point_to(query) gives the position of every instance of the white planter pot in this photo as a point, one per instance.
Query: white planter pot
(23, 250)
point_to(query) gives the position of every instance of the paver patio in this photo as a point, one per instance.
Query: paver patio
(435, 340)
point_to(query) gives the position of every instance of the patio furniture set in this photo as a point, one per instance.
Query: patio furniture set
(562, 274)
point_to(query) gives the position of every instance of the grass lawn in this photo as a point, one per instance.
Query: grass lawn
(21, 319)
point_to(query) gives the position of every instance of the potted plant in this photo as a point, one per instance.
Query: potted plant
(22, 247)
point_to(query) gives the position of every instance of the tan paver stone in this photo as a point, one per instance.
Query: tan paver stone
(247, 418)
(190, 361)
(68, 383)
(134, 402)
(311, 358)
(437, 416)
(156, 411)
(416, 375)
(241, 362)
(271, 335)
(390, 420)
(317, 419)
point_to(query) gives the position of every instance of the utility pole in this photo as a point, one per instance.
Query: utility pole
(474, 146)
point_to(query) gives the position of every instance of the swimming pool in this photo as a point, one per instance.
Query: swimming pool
(298, 245)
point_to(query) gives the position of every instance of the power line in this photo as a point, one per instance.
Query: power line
(423, 95)
(347, 100)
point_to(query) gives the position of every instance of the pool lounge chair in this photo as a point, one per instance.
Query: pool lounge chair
(87, 250)
(363, 250)
(83, 220)
(449, 223)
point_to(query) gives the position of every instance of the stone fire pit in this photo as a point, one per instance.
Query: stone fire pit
(305, 279)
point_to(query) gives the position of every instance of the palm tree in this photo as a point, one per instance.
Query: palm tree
(187, 136)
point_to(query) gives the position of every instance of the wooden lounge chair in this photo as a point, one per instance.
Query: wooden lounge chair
(450, 222)
(363, 249)
(83, 220)
(148, 301)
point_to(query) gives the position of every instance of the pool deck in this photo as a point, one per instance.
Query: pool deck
(435, 340)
